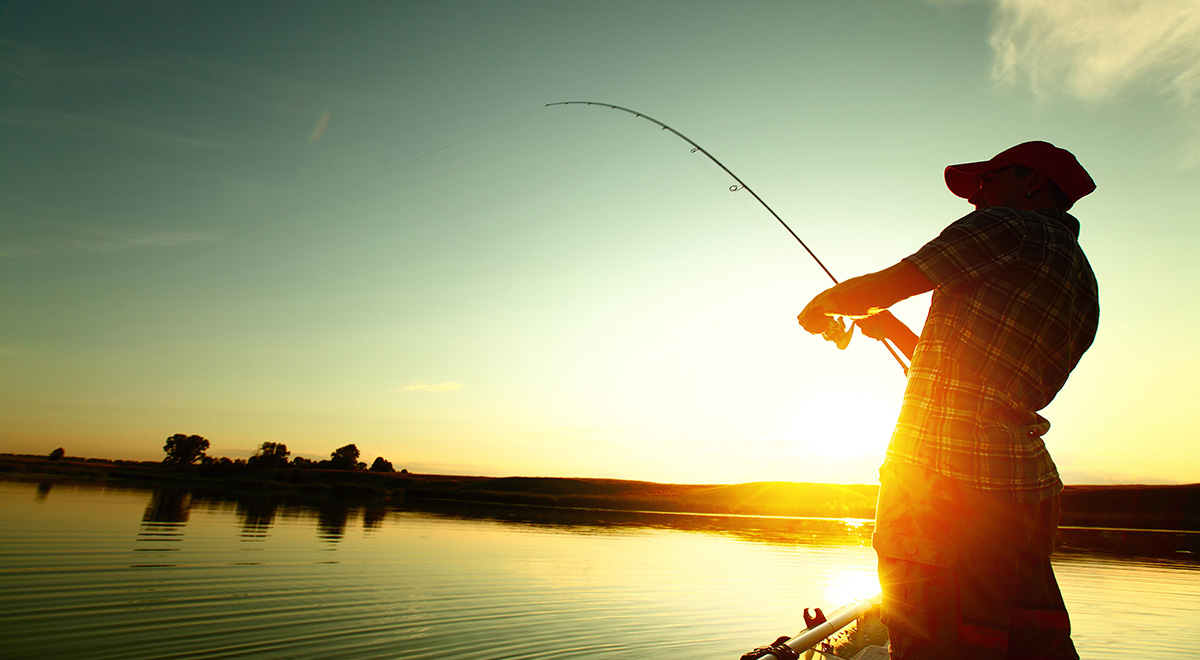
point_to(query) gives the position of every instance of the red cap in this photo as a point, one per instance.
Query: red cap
(1059, 165)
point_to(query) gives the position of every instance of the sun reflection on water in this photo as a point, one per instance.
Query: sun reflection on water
(849, 585)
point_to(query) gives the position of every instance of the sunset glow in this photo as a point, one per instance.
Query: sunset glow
(352, 224)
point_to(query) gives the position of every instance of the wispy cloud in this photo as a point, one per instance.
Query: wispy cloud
(162, 100)
(98, 239)
(1099, 50)
(448, 386)
(1095, 49)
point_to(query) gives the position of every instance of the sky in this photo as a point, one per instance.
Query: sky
(327, 223)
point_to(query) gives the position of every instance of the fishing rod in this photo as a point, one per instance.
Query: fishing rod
(844, 339)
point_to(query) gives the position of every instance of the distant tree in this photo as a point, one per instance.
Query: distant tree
(301, 462)
(344, 458)
(381, 465)
(216, 467)
(184, 449)
(57, 454)
(270, 454)
(404, 471)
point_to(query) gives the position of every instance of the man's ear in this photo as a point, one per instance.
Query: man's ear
(1037, 181)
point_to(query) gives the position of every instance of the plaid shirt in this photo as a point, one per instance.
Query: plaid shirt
(1015, 306)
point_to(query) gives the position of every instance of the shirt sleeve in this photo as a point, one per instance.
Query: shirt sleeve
(971, 248)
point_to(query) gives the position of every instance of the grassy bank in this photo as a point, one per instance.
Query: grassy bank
(1131, 506)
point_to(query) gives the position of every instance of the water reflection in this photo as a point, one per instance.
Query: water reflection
(162, 528)
(255, 514)
(332, 517)
(770, 530)
(1175, 546)
(1171, 545)
(169, 506)
(478, 582)
(169, 509)
(373, 517)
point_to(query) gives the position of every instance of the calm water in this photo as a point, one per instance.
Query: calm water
(89, 572)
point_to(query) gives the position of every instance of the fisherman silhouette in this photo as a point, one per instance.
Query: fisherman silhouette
(969, 496)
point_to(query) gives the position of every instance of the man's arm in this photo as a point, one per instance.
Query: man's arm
(866, 295)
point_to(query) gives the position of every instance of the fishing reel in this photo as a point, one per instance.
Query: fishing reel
(838, 332)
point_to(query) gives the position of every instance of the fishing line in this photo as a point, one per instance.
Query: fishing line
(740, 186)
(784, 250)
(130, 280)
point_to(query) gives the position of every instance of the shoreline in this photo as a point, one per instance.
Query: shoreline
(1113, 507)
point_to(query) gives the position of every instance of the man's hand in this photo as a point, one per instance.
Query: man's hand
(817, 317)
(885, 325)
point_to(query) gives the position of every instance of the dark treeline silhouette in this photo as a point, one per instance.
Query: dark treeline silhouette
(183, 449)
(270, 473)
(269, 455)
(189, 452)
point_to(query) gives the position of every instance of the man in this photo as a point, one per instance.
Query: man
(968, 499)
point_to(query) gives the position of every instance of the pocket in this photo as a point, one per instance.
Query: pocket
(917, 515)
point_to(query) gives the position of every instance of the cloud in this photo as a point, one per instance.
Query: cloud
(99, 240)
(116, 95)
(1094, 49)
(1099, 50)
(440, 388)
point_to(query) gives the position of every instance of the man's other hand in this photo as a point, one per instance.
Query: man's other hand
(883, 325)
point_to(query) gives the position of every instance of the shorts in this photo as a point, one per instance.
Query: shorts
(965, 575)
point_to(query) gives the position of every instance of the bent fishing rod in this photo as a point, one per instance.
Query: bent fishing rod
(741, 185)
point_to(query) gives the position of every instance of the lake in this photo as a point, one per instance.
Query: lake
(100, 572)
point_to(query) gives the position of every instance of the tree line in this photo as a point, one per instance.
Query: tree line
(183, 450)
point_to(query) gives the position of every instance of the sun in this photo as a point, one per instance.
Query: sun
(838, 425)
